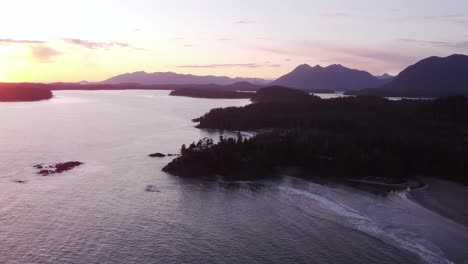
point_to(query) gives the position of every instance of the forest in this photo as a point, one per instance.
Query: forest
(343, 137)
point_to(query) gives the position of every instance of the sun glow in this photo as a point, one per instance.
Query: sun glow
(82, 40)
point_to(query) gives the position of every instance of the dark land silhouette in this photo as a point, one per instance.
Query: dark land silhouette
(211, 93)
(357, 137)
(24, 92)
(239, 86)
(431, 77)
(243, 90)
(41, 91)
(334, 77)
(281, 94)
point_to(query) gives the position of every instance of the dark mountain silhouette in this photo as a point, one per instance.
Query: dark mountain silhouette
(170, 78)
(334, 77)
(431, 77)
(243, 86)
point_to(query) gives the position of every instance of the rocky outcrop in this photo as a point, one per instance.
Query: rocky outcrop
(57, 168)
(157, 155)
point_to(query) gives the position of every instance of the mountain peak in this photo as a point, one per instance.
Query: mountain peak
(303, 67)
(385, 76)
(430, 77)
(334, 77)
(336, 66)
(456, 56)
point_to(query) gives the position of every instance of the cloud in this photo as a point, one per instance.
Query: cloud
(235, 65)
(442, 44)
(245, 22)
(335, 15)
(95, 45)
(456, 18)
(371, 58)
(19, 41)
(312, 49)
(43, 53)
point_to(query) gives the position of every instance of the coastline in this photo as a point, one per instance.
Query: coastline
(445, 198)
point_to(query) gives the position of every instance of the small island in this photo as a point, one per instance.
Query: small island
(24, 92)
(157, 155)
(211, 93)
(355, 137)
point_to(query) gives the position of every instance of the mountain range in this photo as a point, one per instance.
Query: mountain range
(430, 77)
(304, 77)
(171, 78)
(334, 77)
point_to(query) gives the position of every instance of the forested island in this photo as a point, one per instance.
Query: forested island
(359, 137)
(23, 92)
(211, 93)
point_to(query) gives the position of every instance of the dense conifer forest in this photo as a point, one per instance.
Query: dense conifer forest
(343, 137)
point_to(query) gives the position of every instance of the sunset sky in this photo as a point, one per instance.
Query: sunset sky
(65, 40)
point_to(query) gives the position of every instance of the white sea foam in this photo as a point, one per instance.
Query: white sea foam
(389, 234)
(339, 209)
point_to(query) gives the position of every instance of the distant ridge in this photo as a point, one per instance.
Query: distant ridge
(334, 77)
(171, 78)
(385, 76)
(430, 77)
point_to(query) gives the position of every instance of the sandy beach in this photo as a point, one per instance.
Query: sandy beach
(443, 197)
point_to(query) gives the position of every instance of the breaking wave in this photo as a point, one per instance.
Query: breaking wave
(387, 233)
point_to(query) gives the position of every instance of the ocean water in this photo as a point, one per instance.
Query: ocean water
(101, 212)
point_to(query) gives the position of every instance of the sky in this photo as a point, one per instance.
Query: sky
(67, 40)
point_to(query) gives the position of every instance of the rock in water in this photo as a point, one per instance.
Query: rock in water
(20, 181)
(47, 169)
(151, 188)
(157, 155)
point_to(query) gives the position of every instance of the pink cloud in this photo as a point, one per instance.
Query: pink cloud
(455, 18)
(442, 44)
(19, 41)
(95, 45)
(245, 22)
(370, 58)
(43, 53)
(234, 65)
(335, 15)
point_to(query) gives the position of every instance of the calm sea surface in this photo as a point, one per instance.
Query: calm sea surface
(101, 213)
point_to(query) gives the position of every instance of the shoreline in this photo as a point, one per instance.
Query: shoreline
(442, 197)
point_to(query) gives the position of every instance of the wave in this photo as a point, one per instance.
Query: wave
(389, 234)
